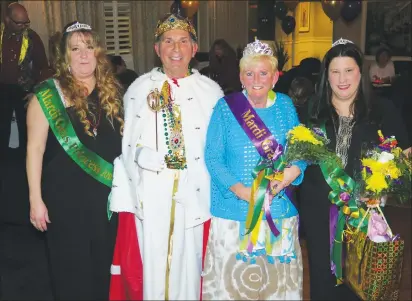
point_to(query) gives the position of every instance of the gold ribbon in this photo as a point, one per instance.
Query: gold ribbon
(255, 186)
(170, 239)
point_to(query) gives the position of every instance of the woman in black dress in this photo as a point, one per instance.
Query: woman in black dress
(65, 199)
(351, 117)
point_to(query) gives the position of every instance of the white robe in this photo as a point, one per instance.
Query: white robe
(149, 195)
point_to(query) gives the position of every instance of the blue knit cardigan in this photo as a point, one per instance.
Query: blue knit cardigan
(230, 157)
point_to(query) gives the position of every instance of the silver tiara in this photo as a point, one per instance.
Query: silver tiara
(341, 42)
(257, 47)
(77, 26)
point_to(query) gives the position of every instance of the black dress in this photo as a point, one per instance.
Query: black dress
(314, 202)
(80, 239)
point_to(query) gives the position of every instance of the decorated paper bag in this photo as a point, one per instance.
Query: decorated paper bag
(373, 269)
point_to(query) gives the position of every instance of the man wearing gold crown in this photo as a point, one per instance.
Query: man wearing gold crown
(161, 184)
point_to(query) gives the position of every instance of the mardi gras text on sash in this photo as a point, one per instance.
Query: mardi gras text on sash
(60, 124)
(249, 120)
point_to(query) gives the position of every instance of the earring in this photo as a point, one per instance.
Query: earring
(69, 69)
(273, 86)
(243, 86)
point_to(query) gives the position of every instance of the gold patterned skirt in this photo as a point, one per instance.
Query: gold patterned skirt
(265, 277)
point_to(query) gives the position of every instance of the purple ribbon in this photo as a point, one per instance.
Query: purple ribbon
(254, 127)
(269, 219)
(262, 139)
(333, 219)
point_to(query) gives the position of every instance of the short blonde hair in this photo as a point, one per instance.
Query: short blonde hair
(252, 59)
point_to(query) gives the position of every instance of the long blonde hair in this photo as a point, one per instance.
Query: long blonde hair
(109, 90)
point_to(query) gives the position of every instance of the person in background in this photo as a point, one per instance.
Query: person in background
(301, 89)
(383, 69)
(74, 122)
(234, 268)
(308, 68)
(350, 116)
(23, 63)
(223, 66)
(125, 76)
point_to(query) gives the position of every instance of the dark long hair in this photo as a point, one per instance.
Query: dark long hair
(322, 107)
(224, 70)
(229, 55)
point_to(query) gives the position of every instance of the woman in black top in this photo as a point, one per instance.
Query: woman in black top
(65, 200)
(351, 117)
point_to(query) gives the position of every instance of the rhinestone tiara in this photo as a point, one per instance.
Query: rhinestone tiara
(341, 42)
(78, 26)
(257, 47)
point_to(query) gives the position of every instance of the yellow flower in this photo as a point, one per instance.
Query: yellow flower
(397, 151)
(376, 182)
(301, 133)
(386, 169)
(392, 170)
(372, 164)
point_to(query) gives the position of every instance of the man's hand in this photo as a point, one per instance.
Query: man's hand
(150, 159)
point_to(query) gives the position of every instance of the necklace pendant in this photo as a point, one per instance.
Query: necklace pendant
(176, 141)
(95, 132)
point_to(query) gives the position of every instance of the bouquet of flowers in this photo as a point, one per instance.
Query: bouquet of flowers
(309, 145)
(385, 170)
(374, 257)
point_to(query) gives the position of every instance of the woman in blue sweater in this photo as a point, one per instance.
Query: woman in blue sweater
(246, 135)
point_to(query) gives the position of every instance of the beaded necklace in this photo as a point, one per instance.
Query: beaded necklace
(172, 125)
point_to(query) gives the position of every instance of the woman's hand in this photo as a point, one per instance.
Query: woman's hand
(289, 175)
(241, 191)
(39, 216)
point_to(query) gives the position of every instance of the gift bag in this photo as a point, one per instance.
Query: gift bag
(373, 269)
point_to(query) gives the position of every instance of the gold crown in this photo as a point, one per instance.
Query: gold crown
(172, 22)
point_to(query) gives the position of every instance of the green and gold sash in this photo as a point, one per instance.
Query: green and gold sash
(60, 124)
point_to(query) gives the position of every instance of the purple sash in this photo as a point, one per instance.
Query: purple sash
(254, 127)
(265, 143)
